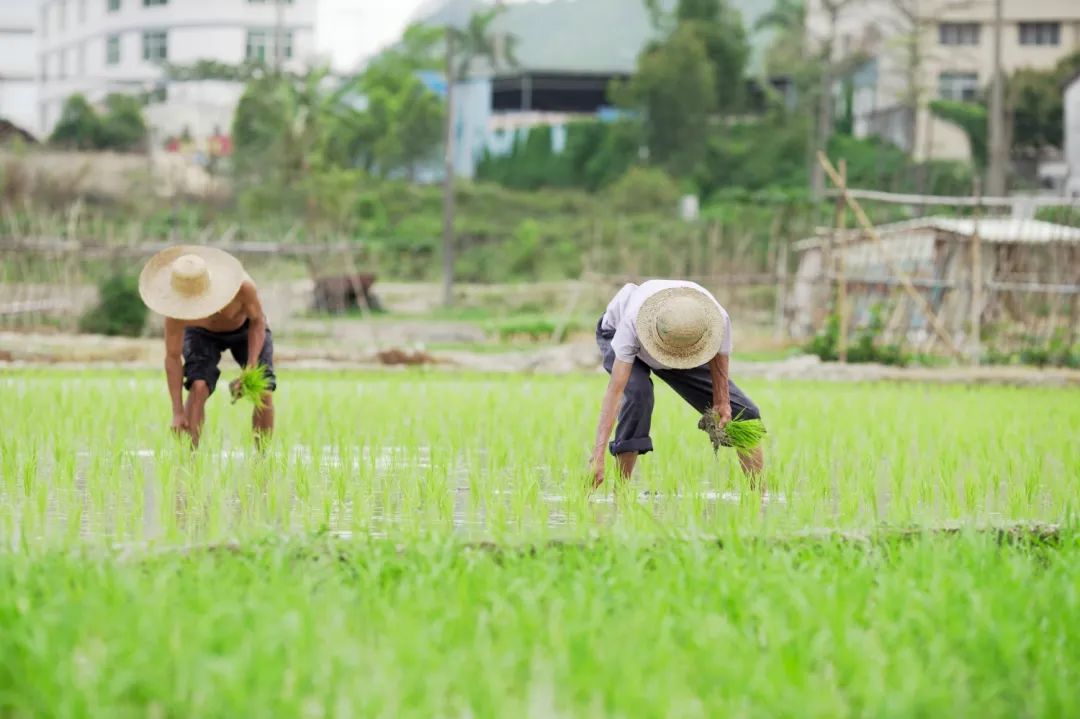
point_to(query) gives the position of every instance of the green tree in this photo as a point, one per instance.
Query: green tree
(284, 125)
(463, 47)
(79, 126)
(1035, 102)
(402, 125)
(122, 127)
(675, 90)
(721, 31)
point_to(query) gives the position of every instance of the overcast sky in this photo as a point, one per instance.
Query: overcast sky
(351, 30)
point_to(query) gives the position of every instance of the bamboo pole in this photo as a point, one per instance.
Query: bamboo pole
(841, 285)
(781, 289)
(896, 270)
(976, 279)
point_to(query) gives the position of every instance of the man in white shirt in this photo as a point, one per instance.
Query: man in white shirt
(678, 331)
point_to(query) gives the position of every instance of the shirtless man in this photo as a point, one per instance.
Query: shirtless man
(210, 305)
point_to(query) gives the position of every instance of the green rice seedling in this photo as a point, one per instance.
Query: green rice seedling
(741, 434)
(252, 385)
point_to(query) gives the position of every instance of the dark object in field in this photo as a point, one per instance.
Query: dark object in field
(400, 357)
(340, 293)
(738, 433)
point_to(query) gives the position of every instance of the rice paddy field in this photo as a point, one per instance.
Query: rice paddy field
(424, 544)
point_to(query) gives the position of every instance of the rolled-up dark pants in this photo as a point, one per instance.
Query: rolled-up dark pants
(635, 414)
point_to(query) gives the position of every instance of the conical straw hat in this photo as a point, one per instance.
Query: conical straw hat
(681, 327)
(190, 282)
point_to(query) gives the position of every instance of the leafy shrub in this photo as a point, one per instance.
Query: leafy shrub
(120, 128)
(644, 190)
(120, 311)
(863, 349)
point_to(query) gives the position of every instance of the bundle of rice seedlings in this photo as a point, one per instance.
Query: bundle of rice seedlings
(743, 434)
(252, 384)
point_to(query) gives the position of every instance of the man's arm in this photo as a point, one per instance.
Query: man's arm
(174, 369)
(620, 375)
(718, 370)
(257, 319)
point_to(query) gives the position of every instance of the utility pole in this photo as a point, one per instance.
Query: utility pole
(448, 178)
(995, 180)
(279, 34)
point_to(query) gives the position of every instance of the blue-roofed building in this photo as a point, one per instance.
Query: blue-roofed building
(567, 52)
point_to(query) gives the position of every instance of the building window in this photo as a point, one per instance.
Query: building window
(960, 86)
(80, 60)
(155, 46)
(82, 11)
(1040, 33)
(114, 5)
(43, 67)
(152, 3)
(260, 45)
(112, 50)
(62, 74)
(61, 12)
(45, 21)
(959, 33)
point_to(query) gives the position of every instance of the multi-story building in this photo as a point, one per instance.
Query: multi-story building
(97, 47)
(905, 53)
(18, 86)
(1072, 136)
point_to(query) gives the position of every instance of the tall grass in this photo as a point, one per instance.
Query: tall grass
(934, 627)
(88, 458)
(423, 544)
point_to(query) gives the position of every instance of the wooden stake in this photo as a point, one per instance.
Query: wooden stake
(781, 288)
(976, 280)
(841, 284)
(894, 268)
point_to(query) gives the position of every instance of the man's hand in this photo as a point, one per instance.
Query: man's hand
(713, 422)
(179, 422)
(596, 470)
(234, 390)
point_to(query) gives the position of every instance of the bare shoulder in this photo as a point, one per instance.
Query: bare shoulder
(174, 325)
(248, 290)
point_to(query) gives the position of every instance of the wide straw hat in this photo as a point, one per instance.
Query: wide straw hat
(190, 282)
(681, 327)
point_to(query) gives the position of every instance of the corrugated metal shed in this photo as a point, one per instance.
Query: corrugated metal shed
(992, 230)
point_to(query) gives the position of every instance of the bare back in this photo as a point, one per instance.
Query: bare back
(243, 307)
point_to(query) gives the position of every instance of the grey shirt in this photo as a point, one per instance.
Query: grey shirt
(622, 313)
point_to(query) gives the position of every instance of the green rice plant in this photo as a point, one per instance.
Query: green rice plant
(252, 385)
(742, 434)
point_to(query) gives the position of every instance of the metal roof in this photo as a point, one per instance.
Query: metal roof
(995, 230)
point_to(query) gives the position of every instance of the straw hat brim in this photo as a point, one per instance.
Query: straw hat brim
(694, 355)
(155, 286)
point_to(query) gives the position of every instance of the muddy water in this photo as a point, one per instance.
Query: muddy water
(145, 506)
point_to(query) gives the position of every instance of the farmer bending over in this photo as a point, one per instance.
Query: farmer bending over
(210, 305)
(678, 331)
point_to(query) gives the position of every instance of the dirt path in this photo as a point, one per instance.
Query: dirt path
(62, 350)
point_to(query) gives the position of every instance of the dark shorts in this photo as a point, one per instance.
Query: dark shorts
(635, 413)
(203, 350)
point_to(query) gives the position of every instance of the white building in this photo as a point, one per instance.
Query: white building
(18, 84)
(929, 49)
(97, 47)
(1072, 136)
